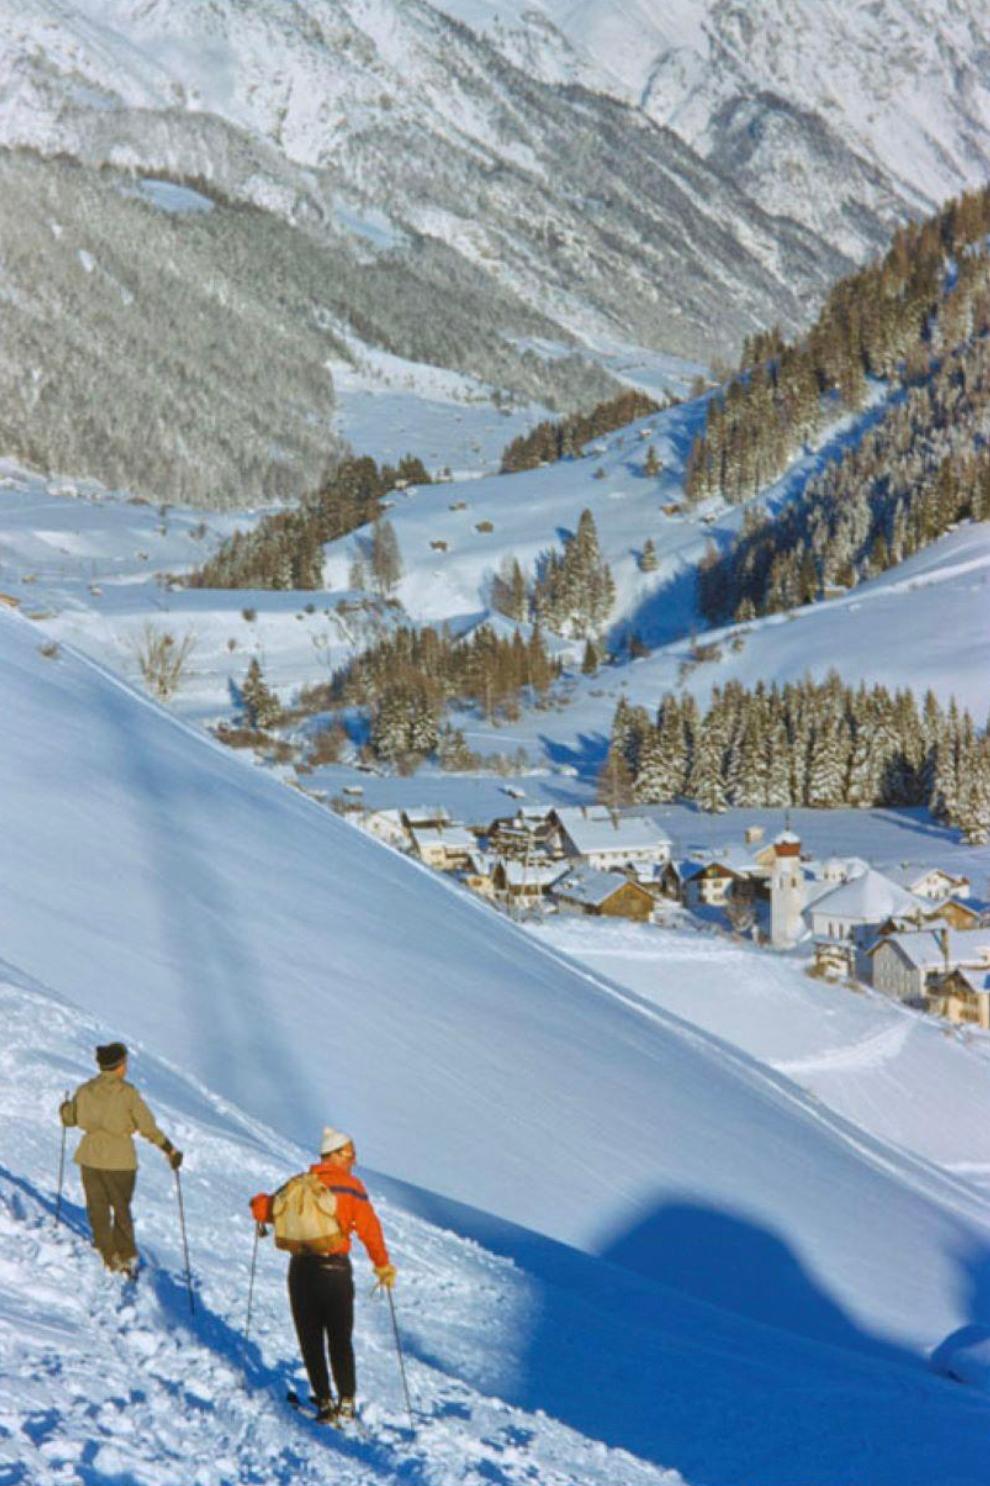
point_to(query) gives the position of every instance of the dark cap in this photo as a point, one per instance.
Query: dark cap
(110, 1056)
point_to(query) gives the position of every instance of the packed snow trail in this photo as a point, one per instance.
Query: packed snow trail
(105, 1382)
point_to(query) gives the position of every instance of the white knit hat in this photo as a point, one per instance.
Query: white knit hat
(333, 1140)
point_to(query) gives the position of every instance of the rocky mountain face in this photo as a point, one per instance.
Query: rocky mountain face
(477, 188)
(843, 117)
(585, 209)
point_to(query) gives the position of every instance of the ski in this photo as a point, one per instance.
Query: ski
(305, 1406)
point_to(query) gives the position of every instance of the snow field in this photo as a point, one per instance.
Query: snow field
(104, 1380)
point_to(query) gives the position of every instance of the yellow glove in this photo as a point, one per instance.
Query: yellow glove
(386, 1275)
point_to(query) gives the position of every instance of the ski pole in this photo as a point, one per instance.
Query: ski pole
(185, 1241)
(259, 1229)
(61, 1168)
(402, 1365)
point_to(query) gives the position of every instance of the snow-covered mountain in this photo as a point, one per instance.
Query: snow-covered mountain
(841, 116)
(417, 138)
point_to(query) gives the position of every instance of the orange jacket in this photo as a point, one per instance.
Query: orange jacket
(355, 1213)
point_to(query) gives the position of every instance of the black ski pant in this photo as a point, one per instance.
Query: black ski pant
(108, 1203)
(321, 1293)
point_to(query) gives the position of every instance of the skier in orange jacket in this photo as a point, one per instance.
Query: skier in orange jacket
(321, 1286)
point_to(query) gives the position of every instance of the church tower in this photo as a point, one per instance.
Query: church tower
(787, 892)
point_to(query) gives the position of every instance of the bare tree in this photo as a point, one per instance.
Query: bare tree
(740, 906)
(162, 660)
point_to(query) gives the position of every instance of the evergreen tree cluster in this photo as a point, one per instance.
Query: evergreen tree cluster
(574, 592)
(285, 550)
(409, 677)
(565, 438)
(925, 466)
(820, 745)
(890, 319)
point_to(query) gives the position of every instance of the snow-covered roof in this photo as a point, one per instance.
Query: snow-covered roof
(927, 949)
(911, 876)
(597, 829)
(459, 838)
(715, 866)
(532, 874)
(977, 980)
(815, 889)
(740, 859)
(587, 885)
(869, 898)
(566, 813)
(423, 815)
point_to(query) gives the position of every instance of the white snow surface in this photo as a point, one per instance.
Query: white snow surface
(643, 1211)
(656, 1148)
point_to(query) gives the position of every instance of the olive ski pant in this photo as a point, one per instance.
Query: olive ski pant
(108, 1203)
(321, 1293)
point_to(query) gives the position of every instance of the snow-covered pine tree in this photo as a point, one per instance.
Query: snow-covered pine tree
(615, 781)
(706, 785)
(591, 659)
(262, 707)
(386, 560)
(973, 811)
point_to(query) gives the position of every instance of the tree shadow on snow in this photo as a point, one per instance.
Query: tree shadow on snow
(698, 1340)
(586, 756)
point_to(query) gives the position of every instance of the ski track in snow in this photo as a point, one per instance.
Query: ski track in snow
(871, 1052)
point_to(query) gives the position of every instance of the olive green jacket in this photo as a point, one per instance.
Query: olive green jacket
(110, 1110)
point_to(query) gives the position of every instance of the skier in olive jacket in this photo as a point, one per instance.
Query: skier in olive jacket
(110, 1111)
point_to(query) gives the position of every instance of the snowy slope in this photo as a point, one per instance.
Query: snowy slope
(107, 1383)
(865, 1056)
(526, 1361)
(292, 963)
(922, 624)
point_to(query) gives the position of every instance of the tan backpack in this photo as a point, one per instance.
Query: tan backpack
(304, 1213)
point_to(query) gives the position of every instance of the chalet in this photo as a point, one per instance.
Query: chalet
(948, 914)
(958, 915)
(387, 826)
(670, 881)
(444, 847)
(709, 885)
(934, 883)
(858, 906)
(962, 996)
(903, 965)
(597, 837)
(418, 817)
(525, 882)
(530, 829)
(603, 894)
(478, 874)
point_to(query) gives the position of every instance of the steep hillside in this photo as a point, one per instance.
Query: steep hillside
(525, 1359)
(278, 954)
(418, 138)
